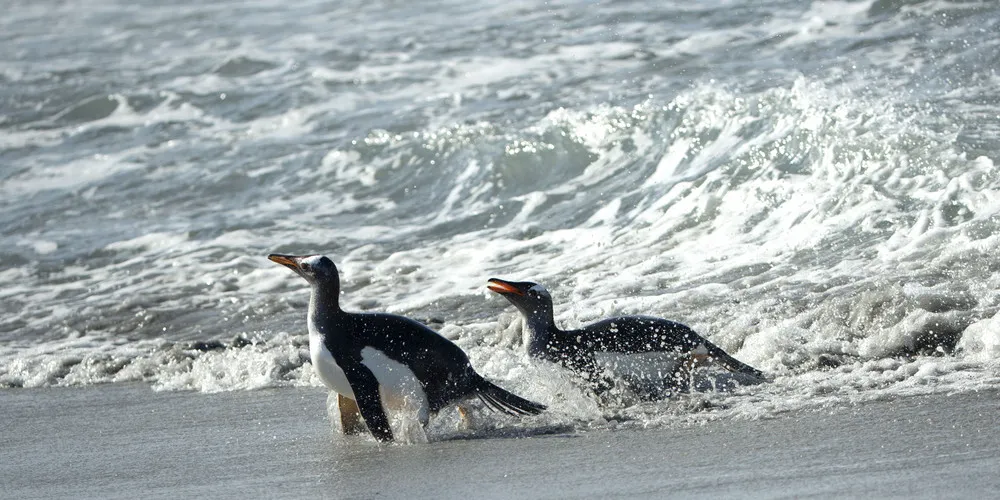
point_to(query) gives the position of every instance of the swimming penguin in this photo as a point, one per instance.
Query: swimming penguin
(372, 359)
(575, 349)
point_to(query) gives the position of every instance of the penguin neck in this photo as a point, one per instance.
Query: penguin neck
(324, 305)
(539, 327)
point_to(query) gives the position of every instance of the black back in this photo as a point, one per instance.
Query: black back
(633, 335)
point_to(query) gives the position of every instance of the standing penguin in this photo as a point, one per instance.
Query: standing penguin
(575, 349)
(371, 359)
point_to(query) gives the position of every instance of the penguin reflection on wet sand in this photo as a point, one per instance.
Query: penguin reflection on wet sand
(576, 349)
(372, 360)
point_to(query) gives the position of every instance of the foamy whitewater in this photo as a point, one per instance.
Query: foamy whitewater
(811, 186)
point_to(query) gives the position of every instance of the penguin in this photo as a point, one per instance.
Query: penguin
(576, 349)
(376, 359)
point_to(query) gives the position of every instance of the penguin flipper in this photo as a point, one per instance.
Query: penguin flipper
(590, 371)
(365, 387)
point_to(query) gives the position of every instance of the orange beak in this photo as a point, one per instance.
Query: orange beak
(501, 287)
(288, 261)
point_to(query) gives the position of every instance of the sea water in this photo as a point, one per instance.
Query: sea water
(810, 185)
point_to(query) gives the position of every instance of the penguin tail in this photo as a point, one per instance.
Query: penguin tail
(732, 364)
(505, 402)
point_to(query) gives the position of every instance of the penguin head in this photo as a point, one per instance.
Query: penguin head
(316, 269)
(532, 299)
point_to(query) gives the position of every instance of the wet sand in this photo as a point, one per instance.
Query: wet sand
(123, 441)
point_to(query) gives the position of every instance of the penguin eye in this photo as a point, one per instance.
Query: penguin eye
(305, 266)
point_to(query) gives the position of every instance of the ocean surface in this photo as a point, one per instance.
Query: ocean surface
(810, 185)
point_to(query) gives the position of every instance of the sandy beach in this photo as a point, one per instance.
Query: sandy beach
(123, 441)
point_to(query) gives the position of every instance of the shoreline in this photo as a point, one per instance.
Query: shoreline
(119, 440)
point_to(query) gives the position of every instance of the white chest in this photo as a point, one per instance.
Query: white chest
(326, 367)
